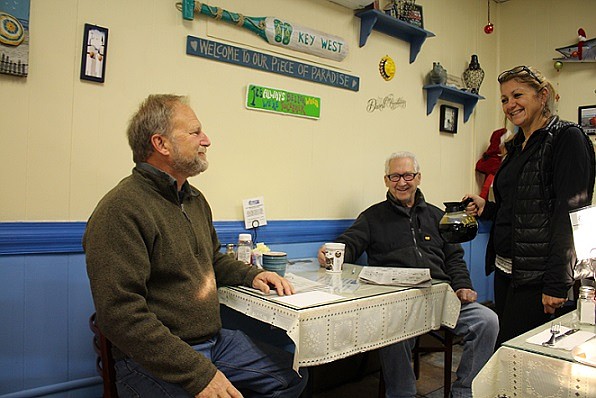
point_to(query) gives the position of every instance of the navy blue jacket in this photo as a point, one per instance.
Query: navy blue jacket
(393, 235)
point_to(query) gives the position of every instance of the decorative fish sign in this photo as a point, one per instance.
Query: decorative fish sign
(275, 31)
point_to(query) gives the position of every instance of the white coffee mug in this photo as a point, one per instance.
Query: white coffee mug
(334, 256)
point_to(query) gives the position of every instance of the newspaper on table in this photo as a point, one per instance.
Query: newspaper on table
(396, 276)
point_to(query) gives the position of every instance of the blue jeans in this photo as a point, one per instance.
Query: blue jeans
(479, 327)
(256, 369)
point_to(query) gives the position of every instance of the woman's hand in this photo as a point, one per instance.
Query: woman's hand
(476, 206)
(551, 303)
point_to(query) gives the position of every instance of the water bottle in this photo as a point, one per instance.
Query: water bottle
(244, 251)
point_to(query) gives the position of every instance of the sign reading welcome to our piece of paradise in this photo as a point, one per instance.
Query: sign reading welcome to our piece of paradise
(280, 101)
(269, 63)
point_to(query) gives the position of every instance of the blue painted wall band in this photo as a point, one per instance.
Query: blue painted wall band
(65, 237)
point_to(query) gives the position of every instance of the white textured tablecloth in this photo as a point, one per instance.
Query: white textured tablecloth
(517, 373)
(337, 330)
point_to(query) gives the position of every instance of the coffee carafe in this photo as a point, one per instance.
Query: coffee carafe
(456, 226)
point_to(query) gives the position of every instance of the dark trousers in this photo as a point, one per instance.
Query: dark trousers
(519, 308)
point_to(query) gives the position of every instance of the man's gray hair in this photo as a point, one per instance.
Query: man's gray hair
(154, 116)
(399, 155)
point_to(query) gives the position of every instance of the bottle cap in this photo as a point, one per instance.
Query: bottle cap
(244, 237)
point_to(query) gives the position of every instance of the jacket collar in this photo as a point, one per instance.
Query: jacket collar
(519, 137)
(419, 202)
(165, 183)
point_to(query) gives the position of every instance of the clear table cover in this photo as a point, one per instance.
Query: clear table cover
(370, 317)
(523, 369)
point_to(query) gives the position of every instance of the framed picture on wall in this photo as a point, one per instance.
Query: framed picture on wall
(95, 50)
(448, 120)
(411, 13)
(586, 117)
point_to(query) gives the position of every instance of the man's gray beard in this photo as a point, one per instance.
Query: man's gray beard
(190, 167)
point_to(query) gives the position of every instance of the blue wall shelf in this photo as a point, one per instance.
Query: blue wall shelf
(379, 21)
(434, 92)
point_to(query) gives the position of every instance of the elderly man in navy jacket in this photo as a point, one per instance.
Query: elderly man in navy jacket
(403, 231)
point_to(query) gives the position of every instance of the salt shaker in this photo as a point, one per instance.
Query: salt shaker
(230, 250)
(586, 306)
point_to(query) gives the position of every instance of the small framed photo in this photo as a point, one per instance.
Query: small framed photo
(586, 117)
(412, 14)
(95, 51)
(448, 122)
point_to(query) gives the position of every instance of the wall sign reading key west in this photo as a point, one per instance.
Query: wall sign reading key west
(281, 101)
(274, 30)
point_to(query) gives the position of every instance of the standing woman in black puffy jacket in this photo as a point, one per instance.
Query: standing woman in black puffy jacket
(548, 170)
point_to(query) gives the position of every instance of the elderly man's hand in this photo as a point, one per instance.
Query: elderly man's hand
(267, 280)
(321, 256)
(466, 295)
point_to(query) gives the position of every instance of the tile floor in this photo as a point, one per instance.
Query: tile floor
(430, 384)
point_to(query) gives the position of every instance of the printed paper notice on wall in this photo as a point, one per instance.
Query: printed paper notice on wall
(281, 101)
(254, 212)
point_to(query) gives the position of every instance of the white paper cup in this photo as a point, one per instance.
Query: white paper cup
(334, 256)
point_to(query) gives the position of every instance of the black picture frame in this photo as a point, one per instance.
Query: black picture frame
(586, 118)
(448, 120)
(94, 54)
(412, 14)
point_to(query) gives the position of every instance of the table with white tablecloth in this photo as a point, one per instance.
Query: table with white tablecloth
(368, 318)
(522, 369)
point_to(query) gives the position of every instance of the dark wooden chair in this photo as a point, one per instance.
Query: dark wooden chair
(105, 361)
(442, 341)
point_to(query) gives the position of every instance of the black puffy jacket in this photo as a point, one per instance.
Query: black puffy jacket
(557, 177)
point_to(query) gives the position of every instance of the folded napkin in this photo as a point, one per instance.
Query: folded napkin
(585, 353)
(566, 343)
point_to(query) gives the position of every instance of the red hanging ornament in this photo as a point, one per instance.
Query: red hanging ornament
(489, 28)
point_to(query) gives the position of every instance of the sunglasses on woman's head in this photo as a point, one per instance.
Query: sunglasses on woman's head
(516, 71)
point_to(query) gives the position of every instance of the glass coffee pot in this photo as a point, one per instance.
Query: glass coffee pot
(456, 226)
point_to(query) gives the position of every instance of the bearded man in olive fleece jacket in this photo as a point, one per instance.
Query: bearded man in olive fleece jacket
(154, 264)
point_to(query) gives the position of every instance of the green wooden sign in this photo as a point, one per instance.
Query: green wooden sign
(281, 101)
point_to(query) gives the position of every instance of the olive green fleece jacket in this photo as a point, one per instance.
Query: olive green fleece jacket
(154, 265)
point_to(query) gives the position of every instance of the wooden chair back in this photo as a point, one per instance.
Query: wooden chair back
(105, 361)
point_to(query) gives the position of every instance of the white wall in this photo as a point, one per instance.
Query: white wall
(532, 29)
(63, 139)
